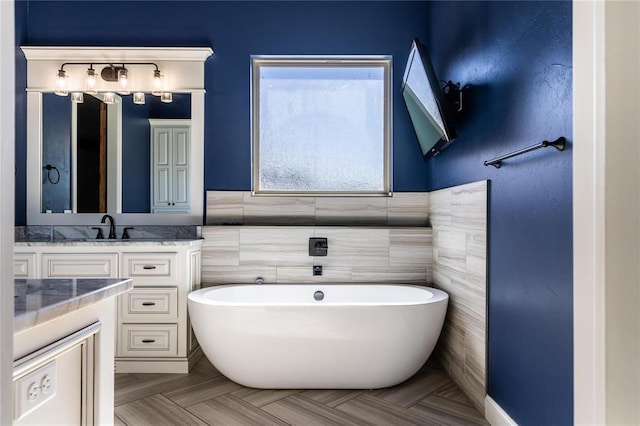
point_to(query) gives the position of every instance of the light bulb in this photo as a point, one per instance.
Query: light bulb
(157, 83)
(61, 84)
(123, 81)
(166, 97)
(109, 98)
(91, 82)
(138, 98)
(77, 97)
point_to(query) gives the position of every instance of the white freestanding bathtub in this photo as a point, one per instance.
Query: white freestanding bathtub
(334, 336)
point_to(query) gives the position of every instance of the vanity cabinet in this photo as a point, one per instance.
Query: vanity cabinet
(170, 152)
(153, 331)
(24, 265)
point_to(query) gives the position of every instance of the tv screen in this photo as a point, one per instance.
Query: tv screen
(430, 112)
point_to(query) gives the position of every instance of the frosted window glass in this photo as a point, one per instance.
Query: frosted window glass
(321, 128)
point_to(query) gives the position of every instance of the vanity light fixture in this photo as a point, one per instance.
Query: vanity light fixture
(112, 73)
(138, 98)
(123, 81)
(109, 98)
(157, 83)
(61, 83)
(91, 81)
(77, 97)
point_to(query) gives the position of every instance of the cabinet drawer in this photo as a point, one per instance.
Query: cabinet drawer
(24, 265)
(147, 304)
(80, 265)
(149, 340)
(151, 267)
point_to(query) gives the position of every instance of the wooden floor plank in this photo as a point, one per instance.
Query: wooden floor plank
(262, 397)
(188, 395)
(227, 410)
(415, 389)
(449, 411)
(298, 410)
(156, 410)
(332, 397)
(117, 421)
(377, 412)
(153, 384)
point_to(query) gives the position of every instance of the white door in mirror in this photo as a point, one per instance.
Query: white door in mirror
(170, 153)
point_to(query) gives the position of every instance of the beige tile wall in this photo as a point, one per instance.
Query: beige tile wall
(240, 207)
(280, 254)
(458, 217)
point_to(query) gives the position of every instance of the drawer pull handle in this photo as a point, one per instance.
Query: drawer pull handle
(148, 303)
(148, 341)
(148, 267)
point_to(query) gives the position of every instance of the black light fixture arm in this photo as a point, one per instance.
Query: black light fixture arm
(558, 144)
(110, 72)
(91, 64)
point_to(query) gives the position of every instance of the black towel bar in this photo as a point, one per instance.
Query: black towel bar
(558, 144)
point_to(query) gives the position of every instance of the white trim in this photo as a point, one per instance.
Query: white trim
(606, 207)
(333, 61)
(116, 54)
(7, 185)
(588, 212)
(182, 68)
(495, 415)
(170, 122)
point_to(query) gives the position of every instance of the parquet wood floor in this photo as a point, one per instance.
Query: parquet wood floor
(206, 397)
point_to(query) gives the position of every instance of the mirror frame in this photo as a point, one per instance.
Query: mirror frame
(184, 73)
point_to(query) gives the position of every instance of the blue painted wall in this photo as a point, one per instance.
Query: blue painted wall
(56, 135)
(136, 152)
(136, 149)
(236, 30)
(517, 58)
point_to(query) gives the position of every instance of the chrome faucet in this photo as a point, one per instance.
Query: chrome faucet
(259, 280)
(112, 226)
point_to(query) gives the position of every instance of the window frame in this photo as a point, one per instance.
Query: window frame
(385, 61)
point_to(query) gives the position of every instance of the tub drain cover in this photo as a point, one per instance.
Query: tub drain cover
(318, 295)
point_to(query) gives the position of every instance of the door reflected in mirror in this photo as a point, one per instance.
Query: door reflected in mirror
(96, 158)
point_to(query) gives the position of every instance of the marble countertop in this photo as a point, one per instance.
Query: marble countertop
(40, 300)
(106, 242)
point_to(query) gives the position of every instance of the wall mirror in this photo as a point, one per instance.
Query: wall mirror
(97, 157)
(91, 158)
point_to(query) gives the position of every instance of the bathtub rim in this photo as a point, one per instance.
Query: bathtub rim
(199, 296)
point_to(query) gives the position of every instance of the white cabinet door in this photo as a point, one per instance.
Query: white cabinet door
(162, 154)
(180, 189)
(170, 146)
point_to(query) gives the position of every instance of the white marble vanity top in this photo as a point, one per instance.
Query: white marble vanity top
(107, 242)
(39, 300)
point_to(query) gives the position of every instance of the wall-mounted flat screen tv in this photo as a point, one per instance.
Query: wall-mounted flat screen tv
(429, 110)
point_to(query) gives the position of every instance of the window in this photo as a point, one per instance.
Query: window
(321, 125)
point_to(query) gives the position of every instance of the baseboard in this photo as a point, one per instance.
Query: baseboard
(495, 415)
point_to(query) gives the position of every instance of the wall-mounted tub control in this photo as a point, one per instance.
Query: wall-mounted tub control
(317, 270)
(318, 246)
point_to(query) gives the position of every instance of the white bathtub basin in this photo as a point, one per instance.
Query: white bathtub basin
(358, 336)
